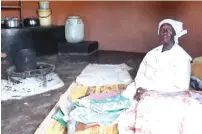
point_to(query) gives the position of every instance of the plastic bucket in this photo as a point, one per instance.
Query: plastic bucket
(44, 17)
(44, 5)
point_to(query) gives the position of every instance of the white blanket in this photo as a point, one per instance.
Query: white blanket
(104, 74)
(168, 113)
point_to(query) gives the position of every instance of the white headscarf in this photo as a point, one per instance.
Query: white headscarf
(177, 26)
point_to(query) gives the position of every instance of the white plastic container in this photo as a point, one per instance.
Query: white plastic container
(74, 29)
(44, 4)
(44, 17)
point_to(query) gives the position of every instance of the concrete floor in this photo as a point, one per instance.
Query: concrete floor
(25, 115)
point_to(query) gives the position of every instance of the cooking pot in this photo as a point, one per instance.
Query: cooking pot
(25, 60)
(2, 23)
(31, 22)
(11, 23)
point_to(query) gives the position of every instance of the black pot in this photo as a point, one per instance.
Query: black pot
(25, 60)
(2, 23)
(31, 22)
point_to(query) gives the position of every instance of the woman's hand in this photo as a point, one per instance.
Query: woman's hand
(139, 92)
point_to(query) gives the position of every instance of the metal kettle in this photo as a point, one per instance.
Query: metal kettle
(11, 23)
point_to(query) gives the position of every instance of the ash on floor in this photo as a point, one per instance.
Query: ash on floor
(29, 86)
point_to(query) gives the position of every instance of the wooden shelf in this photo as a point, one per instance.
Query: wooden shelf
(14, 7)
(10, 7)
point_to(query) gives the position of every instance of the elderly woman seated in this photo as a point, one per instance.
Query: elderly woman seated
(165, 74)
(166, 68)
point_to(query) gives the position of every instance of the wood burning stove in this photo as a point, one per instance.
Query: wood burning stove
(42, 69)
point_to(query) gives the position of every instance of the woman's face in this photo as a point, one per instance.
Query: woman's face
(166, 34)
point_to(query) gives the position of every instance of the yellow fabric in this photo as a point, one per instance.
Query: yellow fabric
(82, 90)
(104, 89)
(56, 128)
(78, 92)
(100, 130)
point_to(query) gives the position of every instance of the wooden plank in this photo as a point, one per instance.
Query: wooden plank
(10, 7)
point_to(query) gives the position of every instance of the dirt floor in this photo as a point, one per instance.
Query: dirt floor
(25, 115)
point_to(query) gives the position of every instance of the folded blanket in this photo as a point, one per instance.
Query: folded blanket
(104, 111)
(100, 96)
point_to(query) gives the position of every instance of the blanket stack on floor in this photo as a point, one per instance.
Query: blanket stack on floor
(91, 102)
(53, 126)
(100, 79)
(94, 80)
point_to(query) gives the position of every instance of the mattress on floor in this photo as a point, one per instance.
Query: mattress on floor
(100, 130)
(52, 126)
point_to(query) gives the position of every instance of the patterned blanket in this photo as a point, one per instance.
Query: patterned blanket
(164, 113)
(52, 126)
